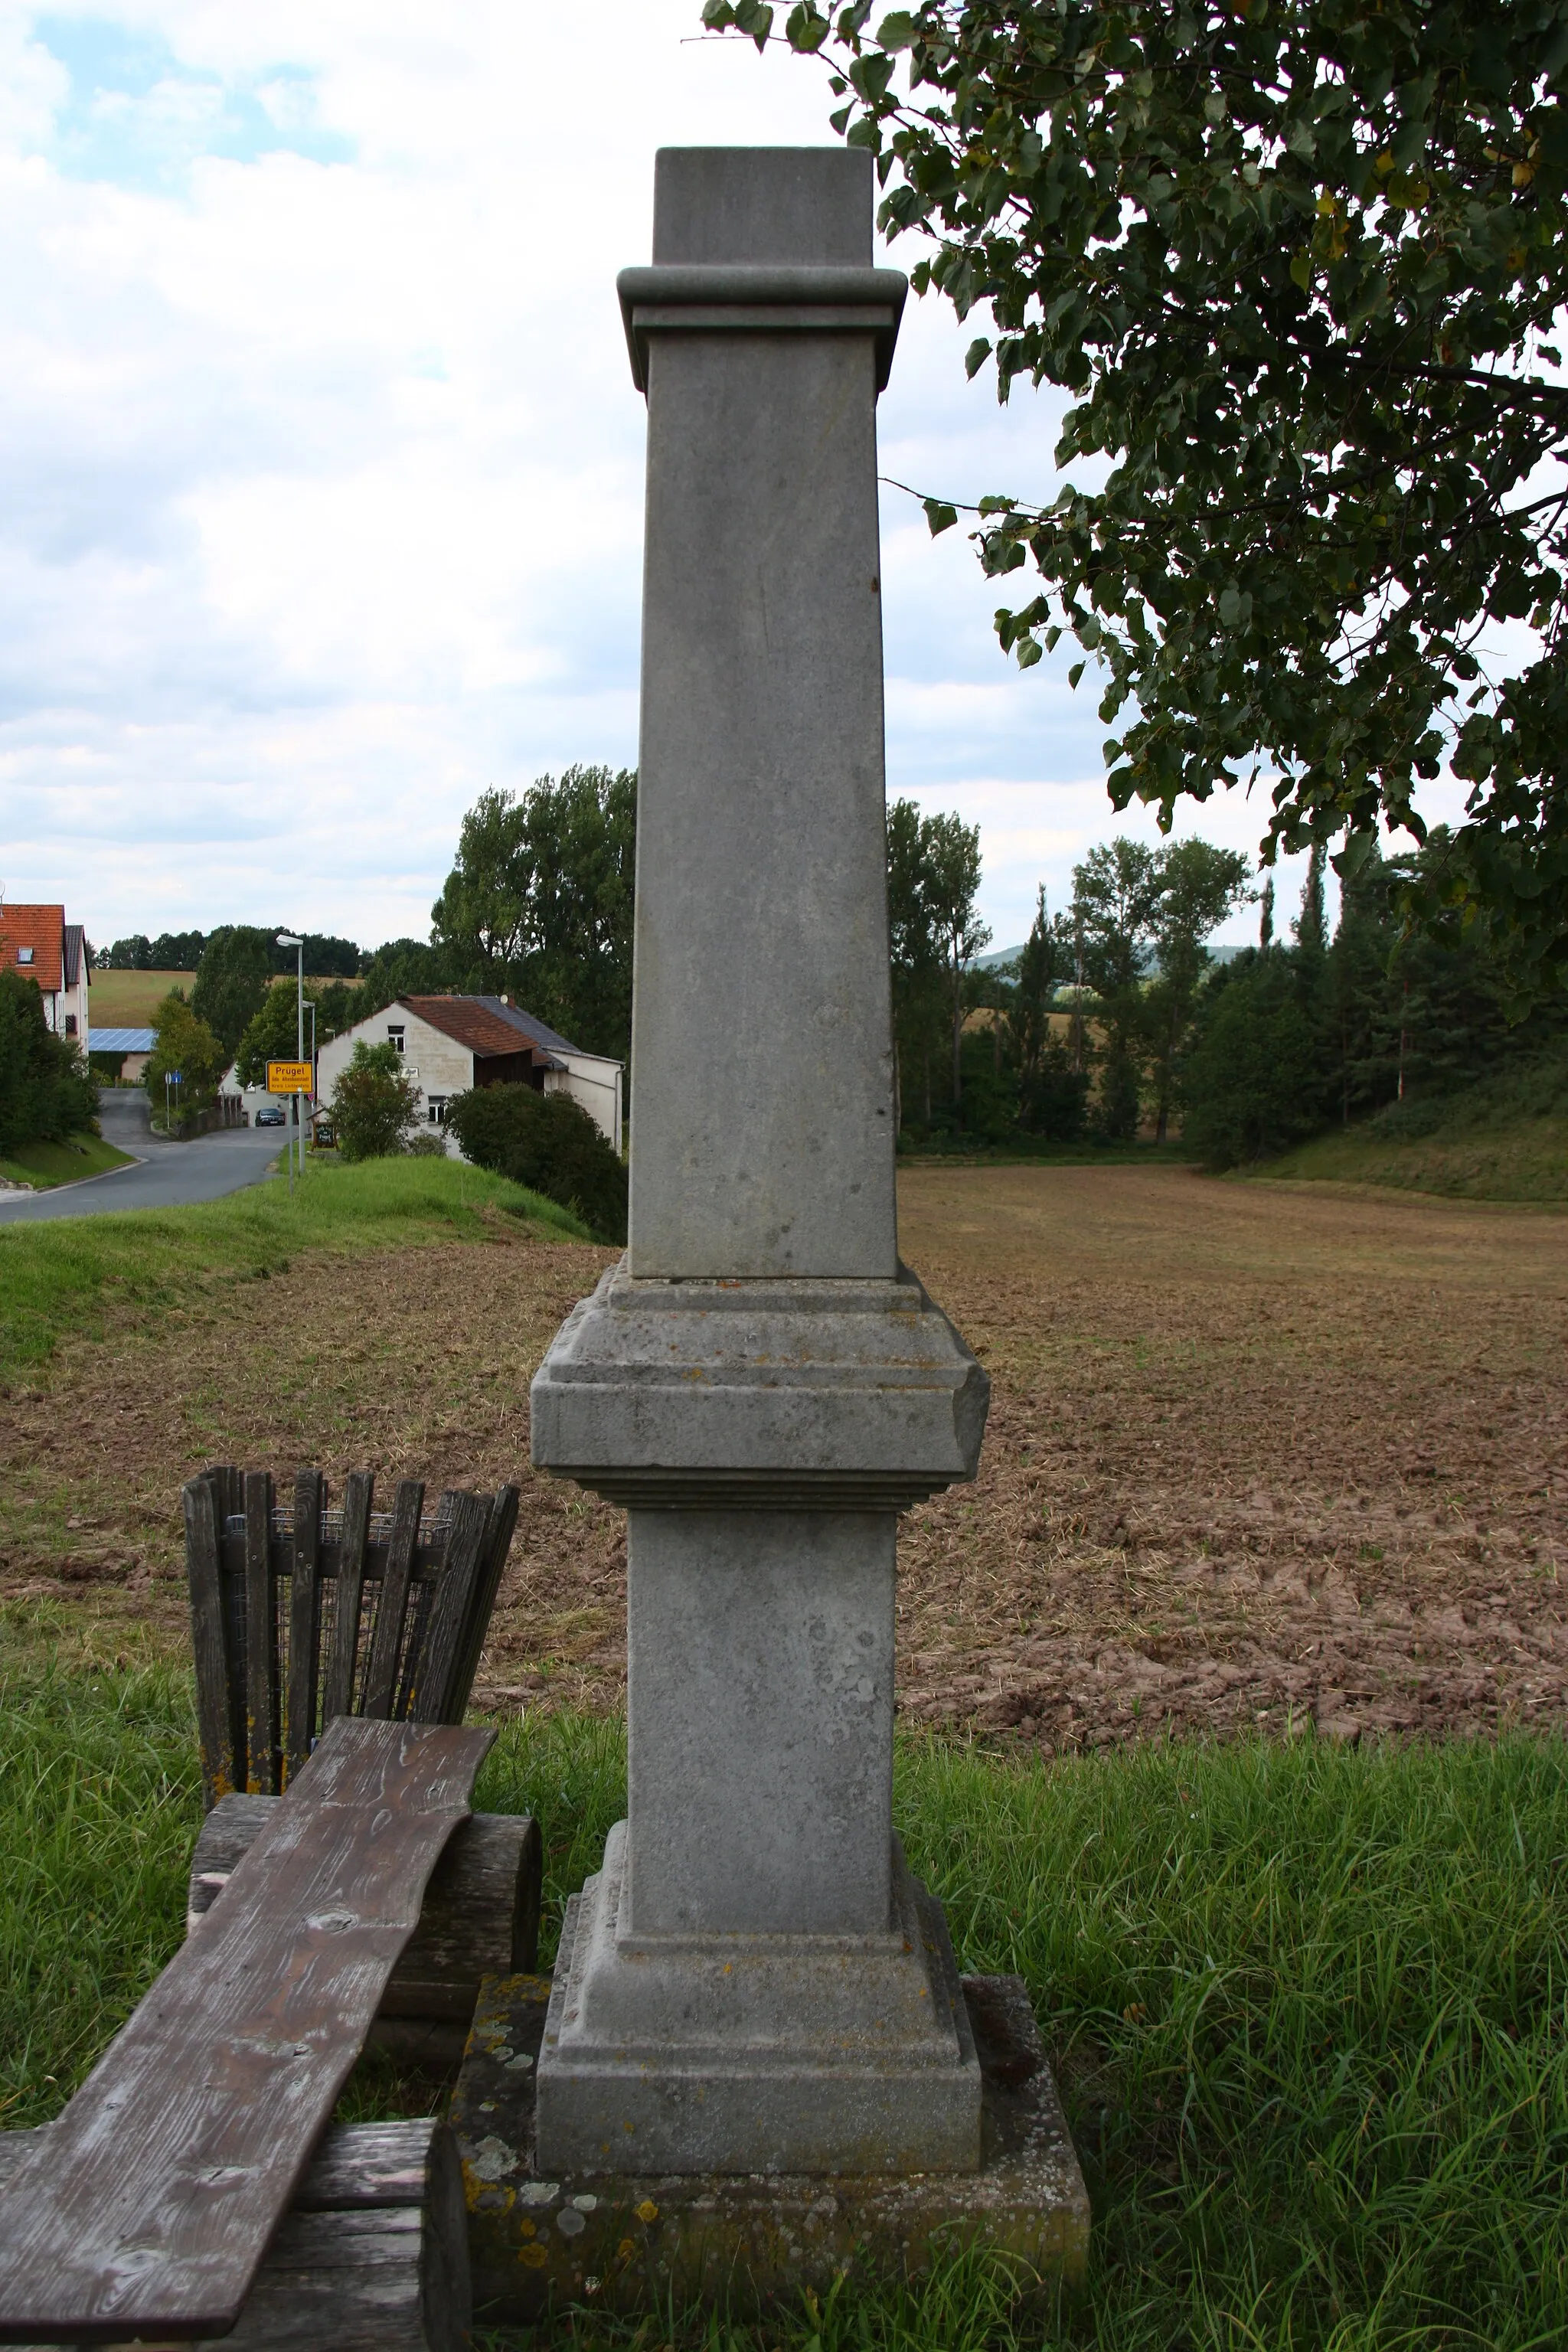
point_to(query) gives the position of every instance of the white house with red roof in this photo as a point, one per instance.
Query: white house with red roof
(450, 1044)
(39, 943)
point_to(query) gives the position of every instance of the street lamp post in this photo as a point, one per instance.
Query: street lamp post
(286, 940)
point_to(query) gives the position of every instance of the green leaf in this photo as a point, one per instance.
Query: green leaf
(976, 357)
(939, 517)
(1301, 267)
(805, 28)
(1028, 653)
(897, 31)
(1076, 672)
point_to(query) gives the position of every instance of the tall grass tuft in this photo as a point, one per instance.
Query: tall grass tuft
(99, 1806)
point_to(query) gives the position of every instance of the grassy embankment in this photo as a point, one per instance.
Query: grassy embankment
(1307, 2007)
(1505, 1139)
(73, 1275)
(45, 1165)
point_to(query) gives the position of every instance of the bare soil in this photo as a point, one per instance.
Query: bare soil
(1259, 1455)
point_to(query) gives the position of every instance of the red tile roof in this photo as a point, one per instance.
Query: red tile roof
(42, 929)
(472, 1024)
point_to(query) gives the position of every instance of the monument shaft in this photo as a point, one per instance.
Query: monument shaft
(754, 1982)
(761, 1029)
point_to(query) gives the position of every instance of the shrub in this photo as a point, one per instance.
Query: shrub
(373, 1103)
(549, 1143)
(45, 1090)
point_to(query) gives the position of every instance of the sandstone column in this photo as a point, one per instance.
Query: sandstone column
(754, 1982)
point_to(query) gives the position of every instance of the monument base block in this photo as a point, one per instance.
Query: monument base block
(748, 2053)
(634, 2241)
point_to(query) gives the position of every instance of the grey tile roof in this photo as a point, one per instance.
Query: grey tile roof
(530, 1027)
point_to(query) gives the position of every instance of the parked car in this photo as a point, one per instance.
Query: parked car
(270, 1115)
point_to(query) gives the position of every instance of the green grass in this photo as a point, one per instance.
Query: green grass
(68, 1275)
(1503, 1138)
(45, 1165)
(128, 1000)
(1308, 2009)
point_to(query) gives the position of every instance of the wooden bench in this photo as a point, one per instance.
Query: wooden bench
(372, 2255)
(146, 2209)
(481, 1918)
(299, 1618)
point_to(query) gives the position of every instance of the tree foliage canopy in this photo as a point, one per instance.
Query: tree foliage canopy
(45, 1094)
(540, 902)
(232, 980)
(1300, 264)
(935, 931)
(186, 1051)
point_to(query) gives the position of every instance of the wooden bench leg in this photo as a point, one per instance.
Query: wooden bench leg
(372, 2256)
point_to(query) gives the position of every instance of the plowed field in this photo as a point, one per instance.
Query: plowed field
(1257, 1454)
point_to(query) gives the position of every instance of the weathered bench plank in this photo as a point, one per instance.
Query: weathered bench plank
(165, 2176)
(481, 1907)
(372, 2256)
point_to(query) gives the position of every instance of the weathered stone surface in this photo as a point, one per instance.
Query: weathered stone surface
(760, 1031)
(753, 1983)
(761, 1752)
(633, 2242)
(757, 2053)
(770, 1395)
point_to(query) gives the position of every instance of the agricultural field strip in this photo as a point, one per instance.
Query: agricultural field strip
(1257, 1456)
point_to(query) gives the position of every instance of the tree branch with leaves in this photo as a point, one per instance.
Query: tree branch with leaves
(1300, 265)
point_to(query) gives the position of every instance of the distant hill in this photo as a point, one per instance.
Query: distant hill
(1000, 958)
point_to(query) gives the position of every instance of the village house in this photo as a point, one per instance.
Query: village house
(39, 943)
(450, 1044)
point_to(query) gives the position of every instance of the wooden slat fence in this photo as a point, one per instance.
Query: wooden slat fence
(361, 1613)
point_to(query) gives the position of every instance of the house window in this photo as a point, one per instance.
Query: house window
(70, 1024)
(438, 1110)
(394, 1037)
(24, 955)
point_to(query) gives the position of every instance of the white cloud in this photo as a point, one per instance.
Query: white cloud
(324, 464)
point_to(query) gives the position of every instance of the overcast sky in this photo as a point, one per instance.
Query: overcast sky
(323, 466)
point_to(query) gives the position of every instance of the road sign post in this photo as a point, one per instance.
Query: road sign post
(292, 1079)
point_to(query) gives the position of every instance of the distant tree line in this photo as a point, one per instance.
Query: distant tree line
(1114, 1020)
(183, 950)
(1380, 1021)
(1086, 1031)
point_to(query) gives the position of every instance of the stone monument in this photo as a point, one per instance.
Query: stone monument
(754, 1983)
(756, 2066)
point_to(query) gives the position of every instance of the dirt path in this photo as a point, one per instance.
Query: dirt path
(1256, 1453)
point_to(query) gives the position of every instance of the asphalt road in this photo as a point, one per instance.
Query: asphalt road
(166, 1176)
